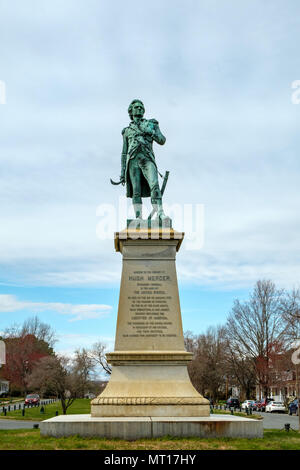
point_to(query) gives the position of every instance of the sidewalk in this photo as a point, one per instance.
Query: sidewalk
(16, 424)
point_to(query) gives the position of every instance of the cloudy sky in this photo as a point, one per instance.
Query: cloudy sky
(218, 75)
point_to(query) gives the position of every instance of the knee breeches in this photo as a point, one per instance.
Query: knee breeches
(143, 166)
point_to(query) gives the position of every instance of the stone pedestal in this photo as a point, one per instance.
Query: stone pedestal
(149, 394)
(149, 365)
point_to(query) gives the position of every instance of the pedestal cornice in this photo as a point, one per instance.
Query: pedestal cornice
(149, 234)
(153, 357)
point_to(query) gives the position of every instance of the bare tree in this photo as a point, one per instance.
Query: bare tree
(54, 374)
(255, 327)
(97, 355)
(32, 326)
(196, 367)
(42, 331)
(291, 315)
(240, 370)
(207, 369)
(83, 367)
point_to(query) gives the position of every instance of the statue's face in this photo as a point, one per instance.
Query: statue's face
(138, 109)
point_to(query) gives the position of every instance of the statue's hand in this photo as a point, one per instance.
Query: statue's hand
(150, 128)
(122, 179)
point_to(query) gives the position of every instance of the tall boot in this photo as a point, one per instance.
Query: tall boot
(138, 210)
(158, 207)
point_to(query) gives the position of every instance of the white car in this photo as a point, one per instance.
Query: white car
(275, 406)
(247, 404)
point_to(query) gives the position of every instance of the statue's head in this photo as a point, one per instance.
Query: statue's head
(136, 108)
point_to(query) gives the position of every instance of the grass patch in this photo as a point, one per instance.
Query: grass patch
(9, 401)
(238, 413)
(31, 440)
(79, 406)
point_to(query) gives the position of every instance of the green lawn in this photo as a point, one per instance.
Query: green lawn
(79, 406)
(238, 413)
(10, 400)
(31, 440)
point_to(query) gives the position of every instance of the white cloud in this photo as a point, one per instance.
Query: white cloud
(10, 303)
(218, 77)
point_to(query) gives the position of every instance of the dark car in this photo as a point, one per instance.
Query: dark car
(261, 405)
(233, 403)
(255, 405)
(294, 408)
(32, 399)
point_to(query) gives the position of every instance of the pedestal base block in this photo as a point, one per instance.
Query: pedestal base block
(150, 427)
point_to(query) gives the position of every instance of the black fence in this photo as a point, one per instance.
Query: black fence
(232, 409)
(22, 406)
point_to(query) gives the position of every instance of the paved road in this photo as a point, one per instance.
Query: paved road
(270, 421)
(16, 424)
(278, 420)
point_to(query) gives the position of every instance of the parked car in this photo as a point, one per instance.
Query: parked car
(261, 406)
(275, 406)
(247, 404)
(294, 407)
(233, 403)
(32, 399)
(255, 405)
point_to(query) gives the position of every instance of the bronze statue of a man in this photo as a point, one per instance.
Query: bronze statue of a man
(138, 167)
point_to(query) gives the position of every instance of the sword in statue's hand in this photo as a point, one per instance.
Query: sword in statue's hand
(122, 181)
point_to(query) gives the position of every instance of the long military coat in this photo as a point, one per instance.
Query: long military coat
(139, 139)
